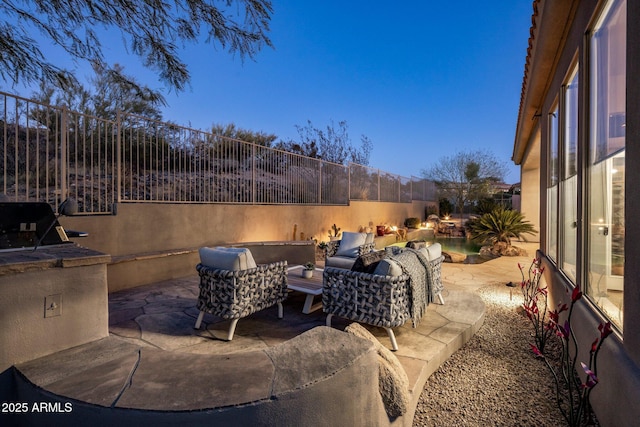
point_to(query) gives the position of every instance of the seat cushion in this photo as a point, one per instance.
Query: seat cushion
(350, 244)
(388, 267)
(340, 262)
(367, 263)
(233, 259)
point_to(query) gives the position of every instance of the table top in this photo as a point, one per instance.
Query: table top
(299, 283)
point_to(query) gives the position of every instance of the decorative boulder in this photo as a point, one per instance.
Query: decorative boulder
(502, 249)
(455, 257)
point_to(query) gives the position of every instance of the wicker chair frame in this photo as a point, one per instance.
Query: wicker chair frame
(375, 300)
(233, 295)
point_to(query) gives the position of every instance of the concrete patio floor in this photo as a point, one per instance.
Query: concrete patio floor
(153, 327)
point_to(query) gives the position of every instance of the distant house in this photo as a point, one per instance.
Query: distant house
(578, 117)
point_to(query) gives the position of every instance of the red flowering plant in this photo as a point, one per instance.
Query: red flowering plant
(574, 406)
(535, 303)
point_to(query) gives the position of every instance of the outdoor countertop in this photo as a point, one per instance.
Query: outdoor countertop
(52, 256)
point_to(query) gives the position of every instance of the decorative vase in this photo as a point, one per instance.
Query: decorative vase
(307, 274)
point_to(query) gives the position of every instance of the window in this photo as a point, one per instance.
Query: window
(607, 161)
(552, 186)
(569, 174)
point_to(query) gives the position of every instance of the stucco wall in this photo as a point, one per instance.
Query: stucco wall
(27, 334)
(530, 186)
(155, 241)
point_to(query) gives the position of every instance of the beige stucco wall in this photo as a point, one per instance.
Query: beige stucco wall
(26, 334)
(530, 185)
(150, 242)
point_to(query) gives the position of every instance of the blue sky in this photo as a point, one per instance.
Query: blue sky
(421, 79)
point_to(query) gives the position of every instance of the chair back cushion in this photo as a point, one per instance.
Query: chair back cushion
(388, 267)
(350, 243)
(234, 259)
(434, 251)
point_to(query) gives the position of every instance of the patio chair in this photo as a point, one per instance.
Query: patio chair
(343, 253)
(233, 286)
(381, 298)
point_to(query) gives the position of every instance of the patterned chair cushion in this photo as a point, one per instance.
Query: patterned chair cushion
(367, 263)
(350, 243)
(232, 259)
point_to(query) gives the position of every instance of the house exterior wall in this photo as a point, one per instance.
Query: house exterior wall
(530, 186)
(559, 40)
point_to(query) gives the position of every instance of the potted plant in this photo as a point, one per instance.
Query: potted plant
(307, 270)
(336, 233)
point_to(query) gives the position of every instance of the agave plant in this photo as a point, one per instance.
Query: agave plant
(499, 225)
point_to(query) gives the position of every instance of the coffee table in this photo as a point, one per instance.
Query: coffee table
(312, 287)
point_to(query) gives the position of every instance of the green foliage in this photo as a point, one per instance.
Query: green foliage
(466, 176)
(336, 231)
(232, 131)
(110, 91)
(499, 225)
(445, 206)
(485, 205)
(154, 31)
(332, 144)
(412, 222)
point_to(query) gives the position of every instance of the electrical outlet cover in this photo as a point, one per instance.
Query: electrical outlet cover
(53, 305)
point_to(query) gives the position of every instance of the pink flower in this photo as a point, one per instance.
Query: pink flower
(576, 294)
(605, 330)
(594, 345)
(536, 351)
(591, 379)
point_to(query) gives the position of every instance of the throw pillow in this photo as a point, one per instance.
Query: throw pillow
(417, 244)
(388, 267)
(350, 244)
(367, 263)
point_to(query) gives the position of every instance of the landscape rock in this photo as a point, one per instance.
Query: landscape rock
(502, 249)
(455, 257)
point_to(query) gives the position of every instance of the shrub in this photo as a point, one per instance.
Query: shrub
(412, 222)
(499, 225)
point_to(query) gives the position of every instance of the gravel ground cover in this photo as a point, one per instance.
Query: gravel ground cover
(494, 380)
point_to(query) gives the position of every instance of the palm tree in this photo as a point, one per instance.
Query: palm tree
(499, 225)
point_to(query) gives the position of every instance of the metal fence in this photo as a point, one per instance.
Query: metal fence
(48, 153)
